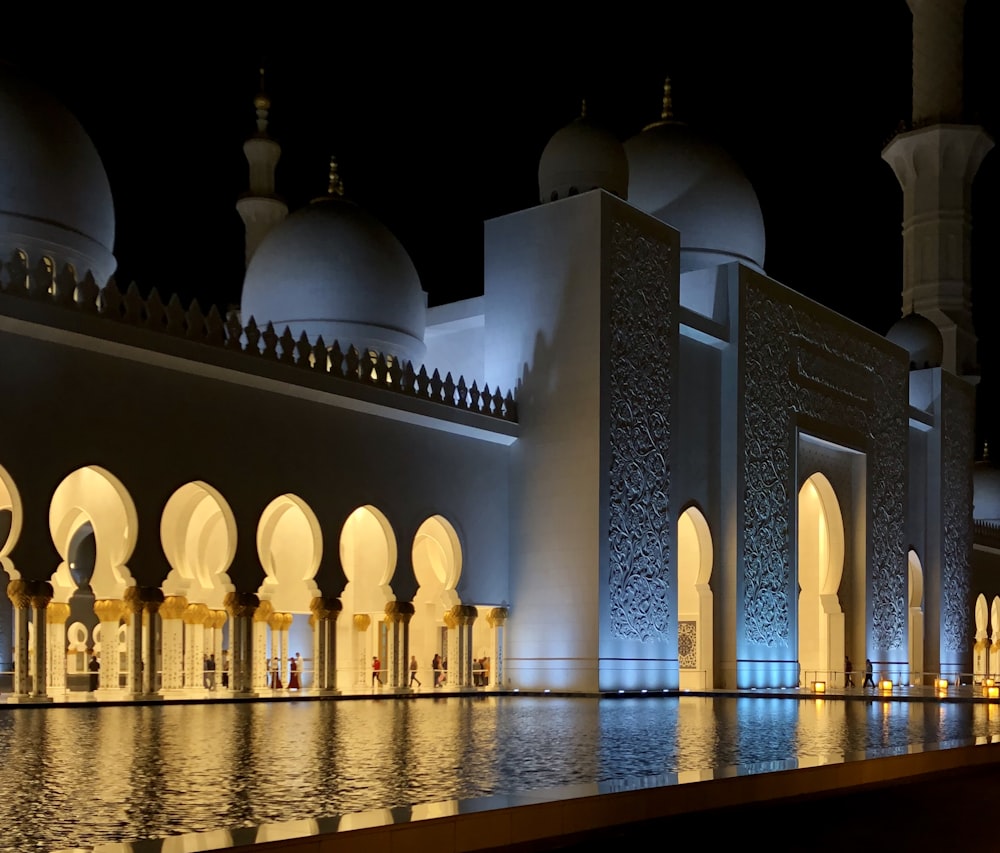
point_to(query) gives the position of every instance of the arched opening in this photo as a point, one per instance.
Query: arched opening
(695, 556)
(93, 524)
(290, 547)
(368, 556)
(198, 535)
(10, 527)
(915, 597)
(437, 565)
(980, 658)
(820, 532)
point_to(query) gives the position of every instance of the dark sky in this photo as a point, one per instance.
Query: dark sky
(438, 120)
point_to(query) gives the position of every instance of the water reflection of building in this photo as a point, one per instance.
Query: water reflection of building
(705, 478)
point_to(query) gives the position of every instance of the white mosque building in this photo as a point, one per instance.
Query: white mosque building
(636, 462)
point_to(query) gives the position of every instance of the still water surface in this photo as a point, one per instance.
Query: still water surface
(77, 777)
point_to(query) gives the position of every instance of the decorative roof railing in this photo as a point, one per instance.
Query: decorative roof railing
(986, 532)
(42, 284)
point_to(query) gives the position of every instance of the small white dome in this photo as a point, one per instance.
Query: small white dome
(695, 186)
(580, 157)
(920, 338)
(332, 269)
(55, 199)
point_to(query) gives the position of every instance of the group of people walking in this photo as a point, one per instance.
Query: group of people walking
(294, 668)
(849, 673)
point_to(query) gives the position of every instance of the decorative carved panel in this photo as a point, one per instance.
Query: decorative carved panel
(958, 442)
(687, 645)
(640, 361)
(796, 364)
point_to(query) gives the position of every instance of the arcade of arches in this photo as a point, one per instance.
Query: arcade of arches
(289, 633)
(91, 628)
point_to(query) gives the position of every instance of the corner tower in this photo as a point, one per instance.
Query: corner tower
(935, 164)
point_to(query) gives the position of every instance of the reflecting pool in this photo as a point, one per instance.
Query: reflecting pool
(78, 777)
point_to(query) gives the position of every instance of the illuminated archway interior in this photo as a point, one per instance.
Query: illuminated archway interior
(368, 557)
(915, 598)
(821, 565)
(437, 565)
(695, 556)
(93, 496)
(290, 547)
(198, 534)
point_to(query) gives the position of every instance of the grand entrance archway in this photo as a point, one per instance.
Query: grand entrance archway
(821, 566)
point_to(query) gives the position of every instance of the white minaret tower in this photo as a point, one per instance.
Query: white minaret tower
(935, 164)
(260, 208)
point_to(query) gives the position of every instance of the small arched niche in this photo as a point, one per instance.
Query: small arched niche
(437, 565)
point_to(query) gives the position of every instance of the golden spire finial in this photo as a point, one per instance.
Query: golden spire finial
(667, 113)
(262, 101)
(335, 187)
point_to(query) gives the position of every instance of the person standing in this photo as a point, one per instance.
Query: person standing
(868, 674)
(413, 671)
(210, 672)
(275, 673)
(848, 676)
(94, 666)
(293, 672)
(376, 666)
(436, 666)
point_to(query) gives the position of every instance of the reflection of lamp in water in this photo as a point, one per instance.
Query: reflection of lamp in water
(885, 685)
(819, 687)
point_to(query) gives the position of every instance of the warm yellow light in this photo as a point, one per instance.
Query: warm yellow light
(993, 692)
(885, 684)
(819, 687)
(941, 683)
(988, 682)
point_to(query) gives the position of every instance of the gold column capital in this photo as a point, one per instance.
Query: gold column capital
(463, 614)
(399, 611)
(133, 600)
(173, 606)
(109, 609)
(362, 621)
(263, 612)
(497, 617)
(57, 613)
(19, 594)
(195, 614)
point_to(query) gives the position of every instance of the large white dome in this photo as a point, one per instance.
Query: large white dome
(332, 269)
(694, 185)
(55, 200)
(580, 157)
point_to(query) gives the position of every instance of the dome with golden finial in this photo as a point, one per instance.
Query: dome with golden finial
(580, 157)
(333, 270)
(692, 184)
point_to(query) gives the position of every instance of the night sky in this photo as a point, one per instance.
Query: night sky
(438, 121)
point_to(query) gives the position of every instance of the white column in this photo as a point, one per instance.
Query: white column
(497, 619)
(57, 613)
(172, 616)
(109, 611)
(261, 657)
(17, 592)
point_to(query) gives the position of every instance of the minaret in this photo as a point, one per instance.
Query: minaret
(260, 208)
(935, 164)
